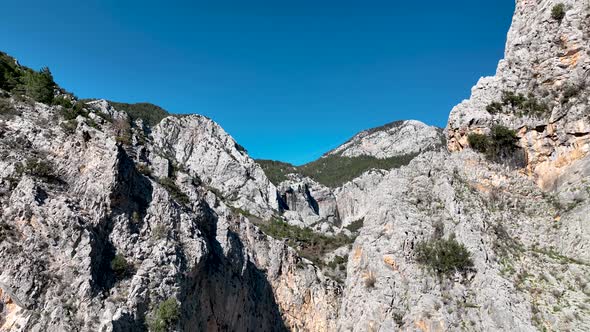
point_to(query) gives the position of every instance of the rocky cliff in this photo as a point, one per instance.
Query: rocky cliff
(111, 221)
(102, 223)
(393, 139)
(540, 88)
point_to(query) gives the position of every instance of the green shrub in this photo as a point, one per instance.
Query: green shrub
(339, 262)
(174, 191)
(503, 137)
(356, 225)
(120, 266)
(444, 257)
(334, 170)
(7, 109)
(165, 316)
(499, 144)
(276, 171)
(558, 12)
(494, 108)
(519, 104)
(10, 73)
(570, 92)
(150, 114)
(308, 243)
(39, 85)
(513, 99)
(72, 112)
(159, 231)
(69, 127)
(534, 107)
(36, 167)
(478, 142)
(62, 101)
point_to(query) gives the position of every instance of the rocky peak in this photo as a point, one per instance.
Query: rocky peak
(206, 151)
(391, 140)
(540, 89)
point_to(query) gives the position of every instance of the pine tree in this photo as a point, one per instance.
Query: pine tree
(39, 85)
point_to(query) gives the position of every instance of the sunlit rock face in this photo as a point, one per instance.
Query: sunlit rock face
(107, 221)
(394, 139)
(547, 60)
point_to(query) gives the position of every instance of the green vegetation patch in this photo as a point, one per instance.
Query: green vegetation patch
(174, 191)
(39, 85)
(356, 225)
(518, 104)
(36, 167)
(150, 114)
(444, 257)
(164, 316)
(308, 243)
(7, 109)
(558, 12)
(276, 171)
(120, 266)
(501, 143)
(332, 170)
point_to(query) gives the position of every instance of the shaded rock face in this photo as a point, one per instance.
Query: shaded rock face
(547, 60)
(391, 140)
(327, 210)
(64, 219)
(307, 203)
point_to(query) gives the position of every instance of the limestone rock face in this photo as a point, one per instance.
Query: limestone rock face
(526, 251)
(73, 197)
(102, 219)
(391, 140)
(546, 60)
(306, 203)
(209, 153)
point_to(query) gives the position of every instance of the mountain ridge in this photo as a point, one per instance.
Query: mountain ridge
(109, 223)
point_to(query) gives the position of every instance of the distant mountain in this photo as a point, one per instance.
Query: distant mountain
(391, 140)
(386, 147)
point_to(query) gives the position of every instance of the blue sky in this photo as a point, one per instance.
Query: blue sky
(288, 79)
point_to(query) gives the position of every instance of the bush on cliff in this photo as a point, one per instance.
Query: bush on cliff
(444, 257)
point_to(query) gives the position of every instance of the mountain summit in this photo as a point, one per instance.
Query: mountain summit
(392, 140)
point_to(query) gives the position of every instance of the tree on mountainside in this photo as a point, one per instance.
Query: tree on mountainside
(39, 85)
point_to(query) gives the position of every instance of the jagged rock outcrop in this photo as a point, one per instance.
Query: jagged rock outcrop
(391, 140)
(306, 203)
(530, 257)
(547, 60)
(73, 199)
(328, 210)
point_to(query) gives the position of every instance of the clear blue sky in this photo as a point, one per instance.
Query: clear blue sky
(288, 79)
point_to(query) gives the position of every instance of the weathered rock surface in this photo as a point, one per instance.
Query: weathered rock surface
(180, 203)
(63, 223)
(546, 59)
(391, 140)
